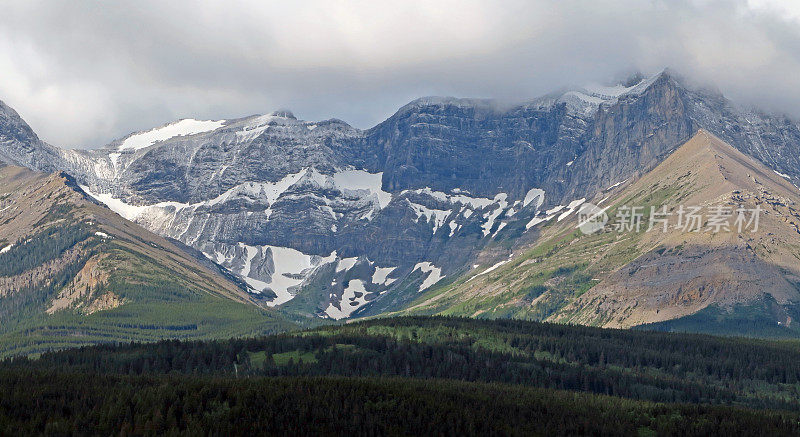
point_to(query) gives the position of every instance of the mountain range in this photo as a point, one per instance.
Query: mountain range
(461, 206)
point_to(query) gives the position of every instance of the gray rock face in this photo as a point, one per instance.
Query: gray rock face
(630, 137)
(333, 221)
(633, 135)
(475, 146)
(192, 168)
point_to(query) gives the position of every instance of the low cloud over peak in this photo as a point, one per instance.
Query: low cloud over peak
(83, 73)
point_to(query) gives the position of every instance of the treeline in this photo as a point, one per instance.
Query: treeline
(45, 246)
(51, 403)
(639, 365)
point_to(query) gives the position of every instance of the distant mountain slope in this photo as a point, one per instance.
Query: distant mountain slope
(72, 272)
(738, 282)
(680, 273)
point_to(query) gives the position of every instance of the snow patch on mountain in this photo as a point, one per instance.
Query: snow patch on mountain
(499, 228)
(359, 183)
(361, 180)
(473, 202)
(114, 158)
(491, 216)
(468, 204)
(435, 216)
(184, 127)
(381, 274)
(287, 267)
(453, 227)
(536, 220)
(580, 103)
(534, 194)
(585, 100)
(269, 191)
(290, 265)
(152, 216)
(346, 264)
(615, 185)
(434, 274)
(490, 269)
(278, 122)
(130, 212)
(607, 93)
(564, 210)
(554, 209)
(612, 93)
(356, 182)
(353, 298)
(571, 208)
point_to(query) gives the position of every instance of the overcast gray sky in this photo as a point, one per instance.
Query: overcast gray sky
(85, 72)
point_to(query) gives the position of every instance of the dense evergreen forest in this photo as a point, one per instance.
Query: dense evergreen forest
(63, 404)
(409, 375)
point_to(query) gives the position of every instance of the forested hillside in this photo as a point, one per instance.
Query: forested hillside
(396, 375)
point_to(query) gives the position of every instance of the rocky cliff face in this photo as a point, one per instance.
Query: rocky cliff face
(444, 144)
(630, 136)
(640, 129)
(358, 221)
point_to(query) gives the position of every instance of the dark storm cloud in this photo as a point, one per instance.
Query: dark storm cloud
(83, 73)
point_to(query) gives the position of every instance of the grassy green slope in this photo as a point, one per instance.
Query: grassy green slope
(158, 304)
